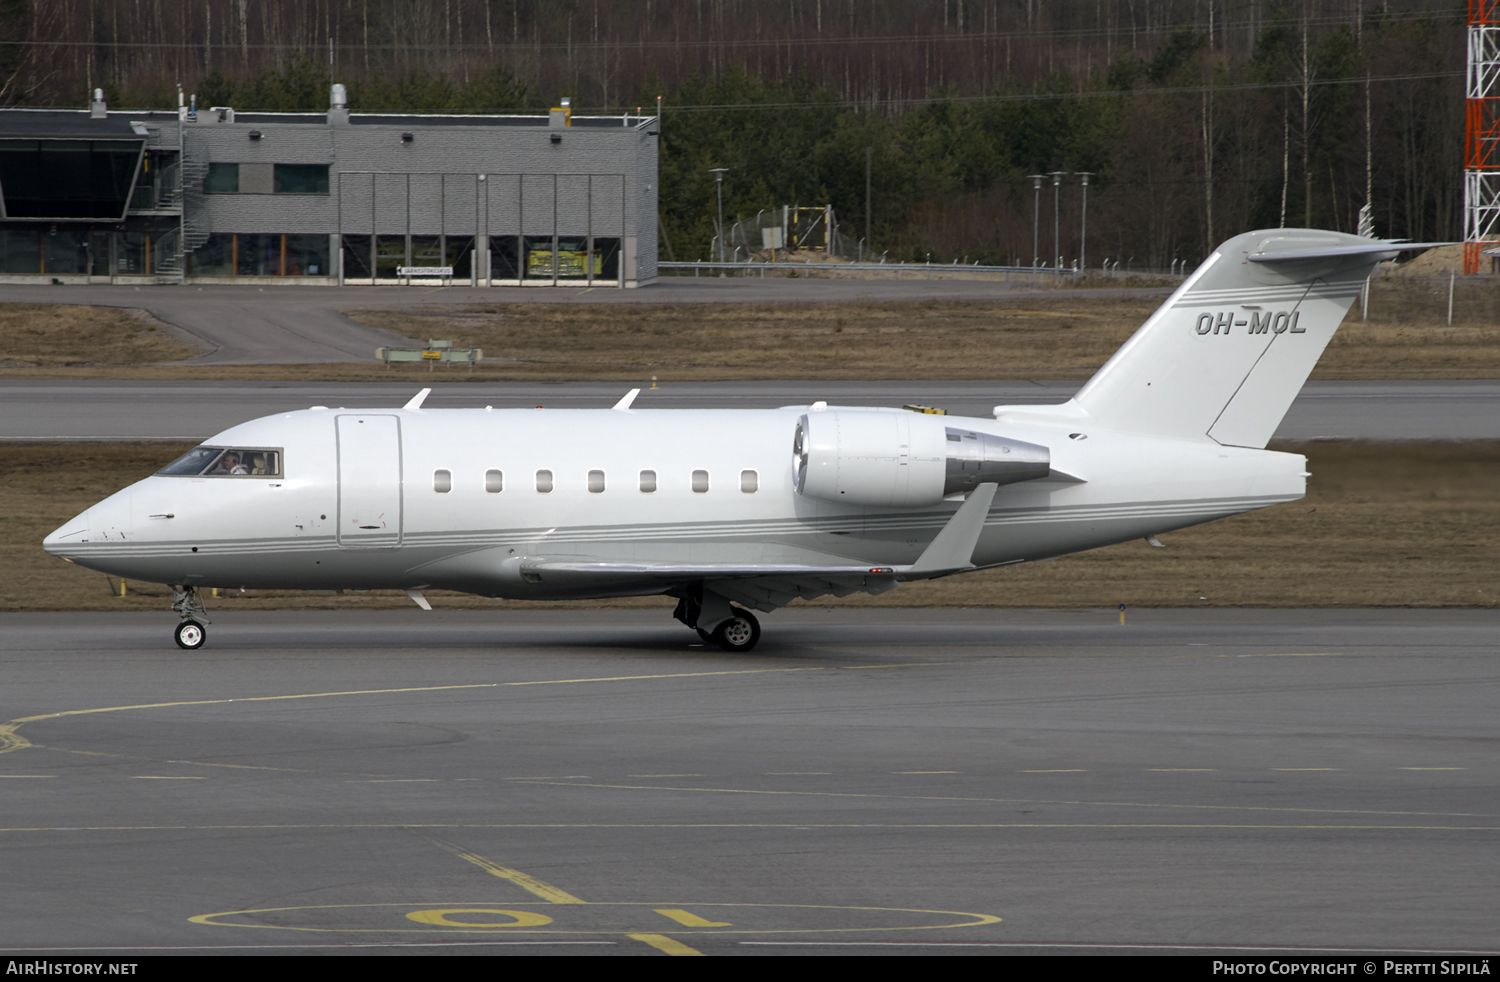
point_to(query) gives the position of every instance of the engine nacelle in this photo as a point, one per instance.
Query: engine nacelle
(903, 460)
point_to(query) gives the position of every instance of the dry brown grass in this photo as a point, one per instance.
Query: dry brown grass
(1406, 337)
(1405, 525)
(921, 339)
(34, 335)
(1039, 336)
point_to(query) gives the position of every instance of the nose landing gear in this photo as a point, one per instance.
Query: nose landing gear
(187, 601)
(190, 635)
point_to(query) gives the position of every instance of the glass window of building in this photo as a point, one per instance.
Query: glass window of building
(222, 179)
(301, 179)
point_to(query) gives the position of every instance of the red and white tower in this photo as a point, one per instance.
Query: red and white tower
(1482, 148)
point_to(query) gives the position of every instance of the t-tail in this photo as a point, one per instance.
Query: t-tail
(1225, 356)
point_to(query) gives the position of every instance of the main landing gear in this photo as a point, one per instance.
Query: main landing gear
(739, 633)
(187, 602)
(737, 629)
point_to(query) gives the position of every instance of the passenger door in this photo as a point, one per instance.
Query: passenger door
(369, 451)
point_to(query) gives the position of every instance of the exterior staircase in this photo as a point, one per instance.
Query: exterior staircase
(193, 170)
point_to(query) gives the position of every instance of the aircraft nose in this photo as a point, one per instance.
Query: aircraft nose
(70, 533)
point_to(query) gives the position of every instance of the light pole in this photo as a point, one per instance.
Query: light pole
(1057, 177)
(1036, 218)
(718, 173)
(1083, 228)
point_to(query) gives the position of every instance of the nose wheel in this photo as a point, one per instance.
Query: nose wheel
(187, 602)
(190, 635)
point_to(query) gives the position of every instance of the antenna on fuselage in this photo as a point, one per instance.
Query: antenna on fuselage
(416, 400)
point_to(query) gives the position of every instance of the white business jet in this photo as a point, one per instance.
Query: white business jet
(730, 511)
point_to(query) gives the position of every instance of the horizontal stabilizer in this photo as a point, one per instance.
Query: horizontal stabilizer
(1381, 250)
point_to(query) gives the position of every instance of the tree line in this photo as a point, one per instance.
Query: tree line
(1194, 119)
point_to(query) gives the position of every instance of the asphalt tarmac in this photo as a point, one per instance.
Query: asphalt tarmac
(586, 782)
(153, 410)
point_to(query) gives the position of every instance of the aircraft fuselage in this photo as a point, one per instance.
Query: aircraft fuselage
(466, 499)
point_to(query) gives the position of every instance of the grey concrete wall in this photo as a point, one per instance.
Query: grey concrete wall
(595, 179)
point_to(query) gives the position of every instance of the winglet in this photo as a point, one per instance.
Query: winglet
(627, 399)
(953, 548)
(416, 400)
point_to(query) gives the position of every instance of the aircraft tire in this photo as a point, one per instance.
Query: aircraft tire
(738, 634)
(190, 635)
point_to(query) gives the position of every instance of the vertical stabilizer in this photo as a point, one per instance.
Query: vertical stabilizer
(1227, 353)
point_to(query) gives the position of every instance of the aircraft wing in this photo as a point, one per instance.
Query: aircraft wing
(762, 586)
(766, 586)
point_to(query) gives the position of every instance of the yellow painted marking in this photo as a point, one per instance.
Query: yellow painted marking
(11, 740)
(442, 918)
(547, 892)
(664, 943)
(523, 880)
(924, 772)
(650, 937)
(27, 775)
(164, 777)
(689, 919)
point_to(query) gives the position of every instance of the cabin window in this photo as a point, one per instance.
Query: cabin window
(749, 481)
(596, 482)
(226, 462)
(442, 481)
(544, 482)
(648, 482)
(494, 481)
(700, 482)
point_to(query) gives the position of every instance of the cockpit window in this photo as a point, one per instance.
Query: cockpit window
(226, 462)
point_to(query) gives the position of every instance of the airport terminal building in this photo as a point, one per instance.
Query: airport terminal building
(215, 196)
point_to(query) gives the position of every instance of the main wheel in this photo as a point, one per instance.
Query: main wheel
(738, 634)
(190, 635)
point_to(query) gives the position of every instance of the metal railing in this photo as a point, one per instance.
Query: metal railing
(901, 270)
